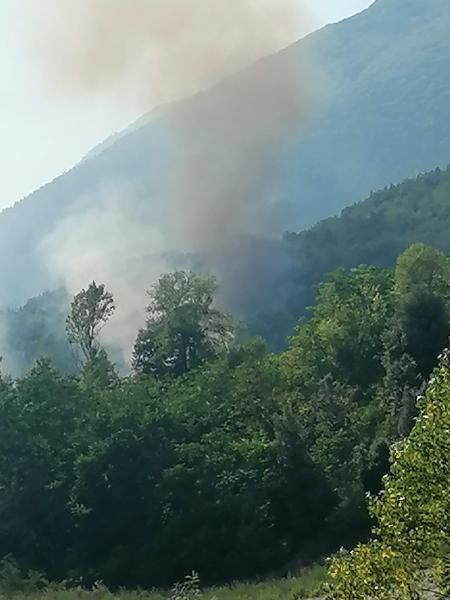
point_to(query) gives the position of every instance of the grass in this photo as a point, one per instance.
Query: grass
(308, 584)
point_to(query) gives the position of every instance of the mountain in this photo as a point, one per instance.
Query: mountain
(377, 230)
(373, 232)
(383, 115)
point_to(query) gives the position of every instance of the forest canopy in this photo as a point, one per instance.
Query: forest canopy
(214, 454)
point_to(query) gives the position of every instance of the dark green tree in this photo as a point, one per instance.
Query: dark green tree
(422, 287)
(38, 416)
(401, 384)
(422, 267)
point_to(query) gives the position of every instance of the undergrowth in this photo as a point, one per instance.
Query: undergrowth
(30, 586)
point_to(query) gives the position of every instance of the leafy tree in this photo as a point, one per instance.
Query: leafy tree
(37, 418)
(422, 267)
(343, 336)
(244, 494)
(125, 445)
(422, 286)
(353, 371)
(183, 328)
(89, 312)
(410, 552)
(425, 321)
(99, 374)
(237, 462)
(202, 472)
(402, 382)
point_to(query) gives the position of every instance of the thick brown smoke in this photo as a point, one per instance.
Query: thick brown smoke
(160, 50)
(229, 143)
(227, 139)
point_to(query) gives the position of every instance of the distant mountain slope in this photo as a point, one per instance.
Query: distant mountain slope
(384, 116)
(372, 232)
(380, 228)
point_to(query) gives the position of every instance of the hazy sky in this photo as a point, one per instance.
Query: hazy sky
(41, 135)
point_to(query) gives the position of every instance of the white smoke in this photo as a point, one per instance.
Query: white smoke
(222, 174)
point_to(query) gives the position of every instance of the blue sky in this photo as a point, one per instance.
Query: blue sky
(41, 135)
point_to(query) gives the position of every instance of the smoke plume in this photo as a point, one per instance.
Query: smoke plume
(157, 50)
(227, 140)
(109, 238)
(229, 144)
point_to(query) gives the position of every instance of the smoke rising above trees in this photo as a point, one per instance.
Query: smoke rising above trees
(225, 144)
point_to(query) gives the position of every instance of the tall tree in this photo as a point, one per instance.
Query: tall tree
(38, 416)
(401, 384)
(89, 312)
(183, 327)
(422, 267)
(422, 286)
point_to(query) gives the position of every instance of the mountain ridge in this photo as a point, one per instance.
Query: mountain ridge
(384, 116)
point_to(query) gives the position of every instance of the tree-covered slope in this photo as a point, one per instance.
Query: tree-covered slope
(383, 115)
(376, 230)
(372, 232)
(216, 456)
(286, 272)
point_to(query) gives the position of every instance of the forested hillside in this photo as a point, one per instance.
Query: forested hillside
(382, 115)
(224, 357)
(372, 232)
(286, 272)
(215, 455)
(377, 230)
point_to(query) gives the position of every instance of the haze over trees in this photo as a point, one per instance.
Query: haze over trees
(286, 272)
(296, 402)
(220, 456)
(88, 314)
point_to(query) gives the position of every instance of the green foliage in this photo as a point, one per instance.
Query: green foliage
(402, 381)
(343, 335)
(189, 589)
(422, 267)
(353, 371)
(135, 481)
(308, 583)
(89, 312)
(13, 580)
(373, 232)
(183, 328)
(332, 370)
(410, 552)
(35, 331)
(214, 456)
(422, 285)
(38, 415)
(215, 479)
